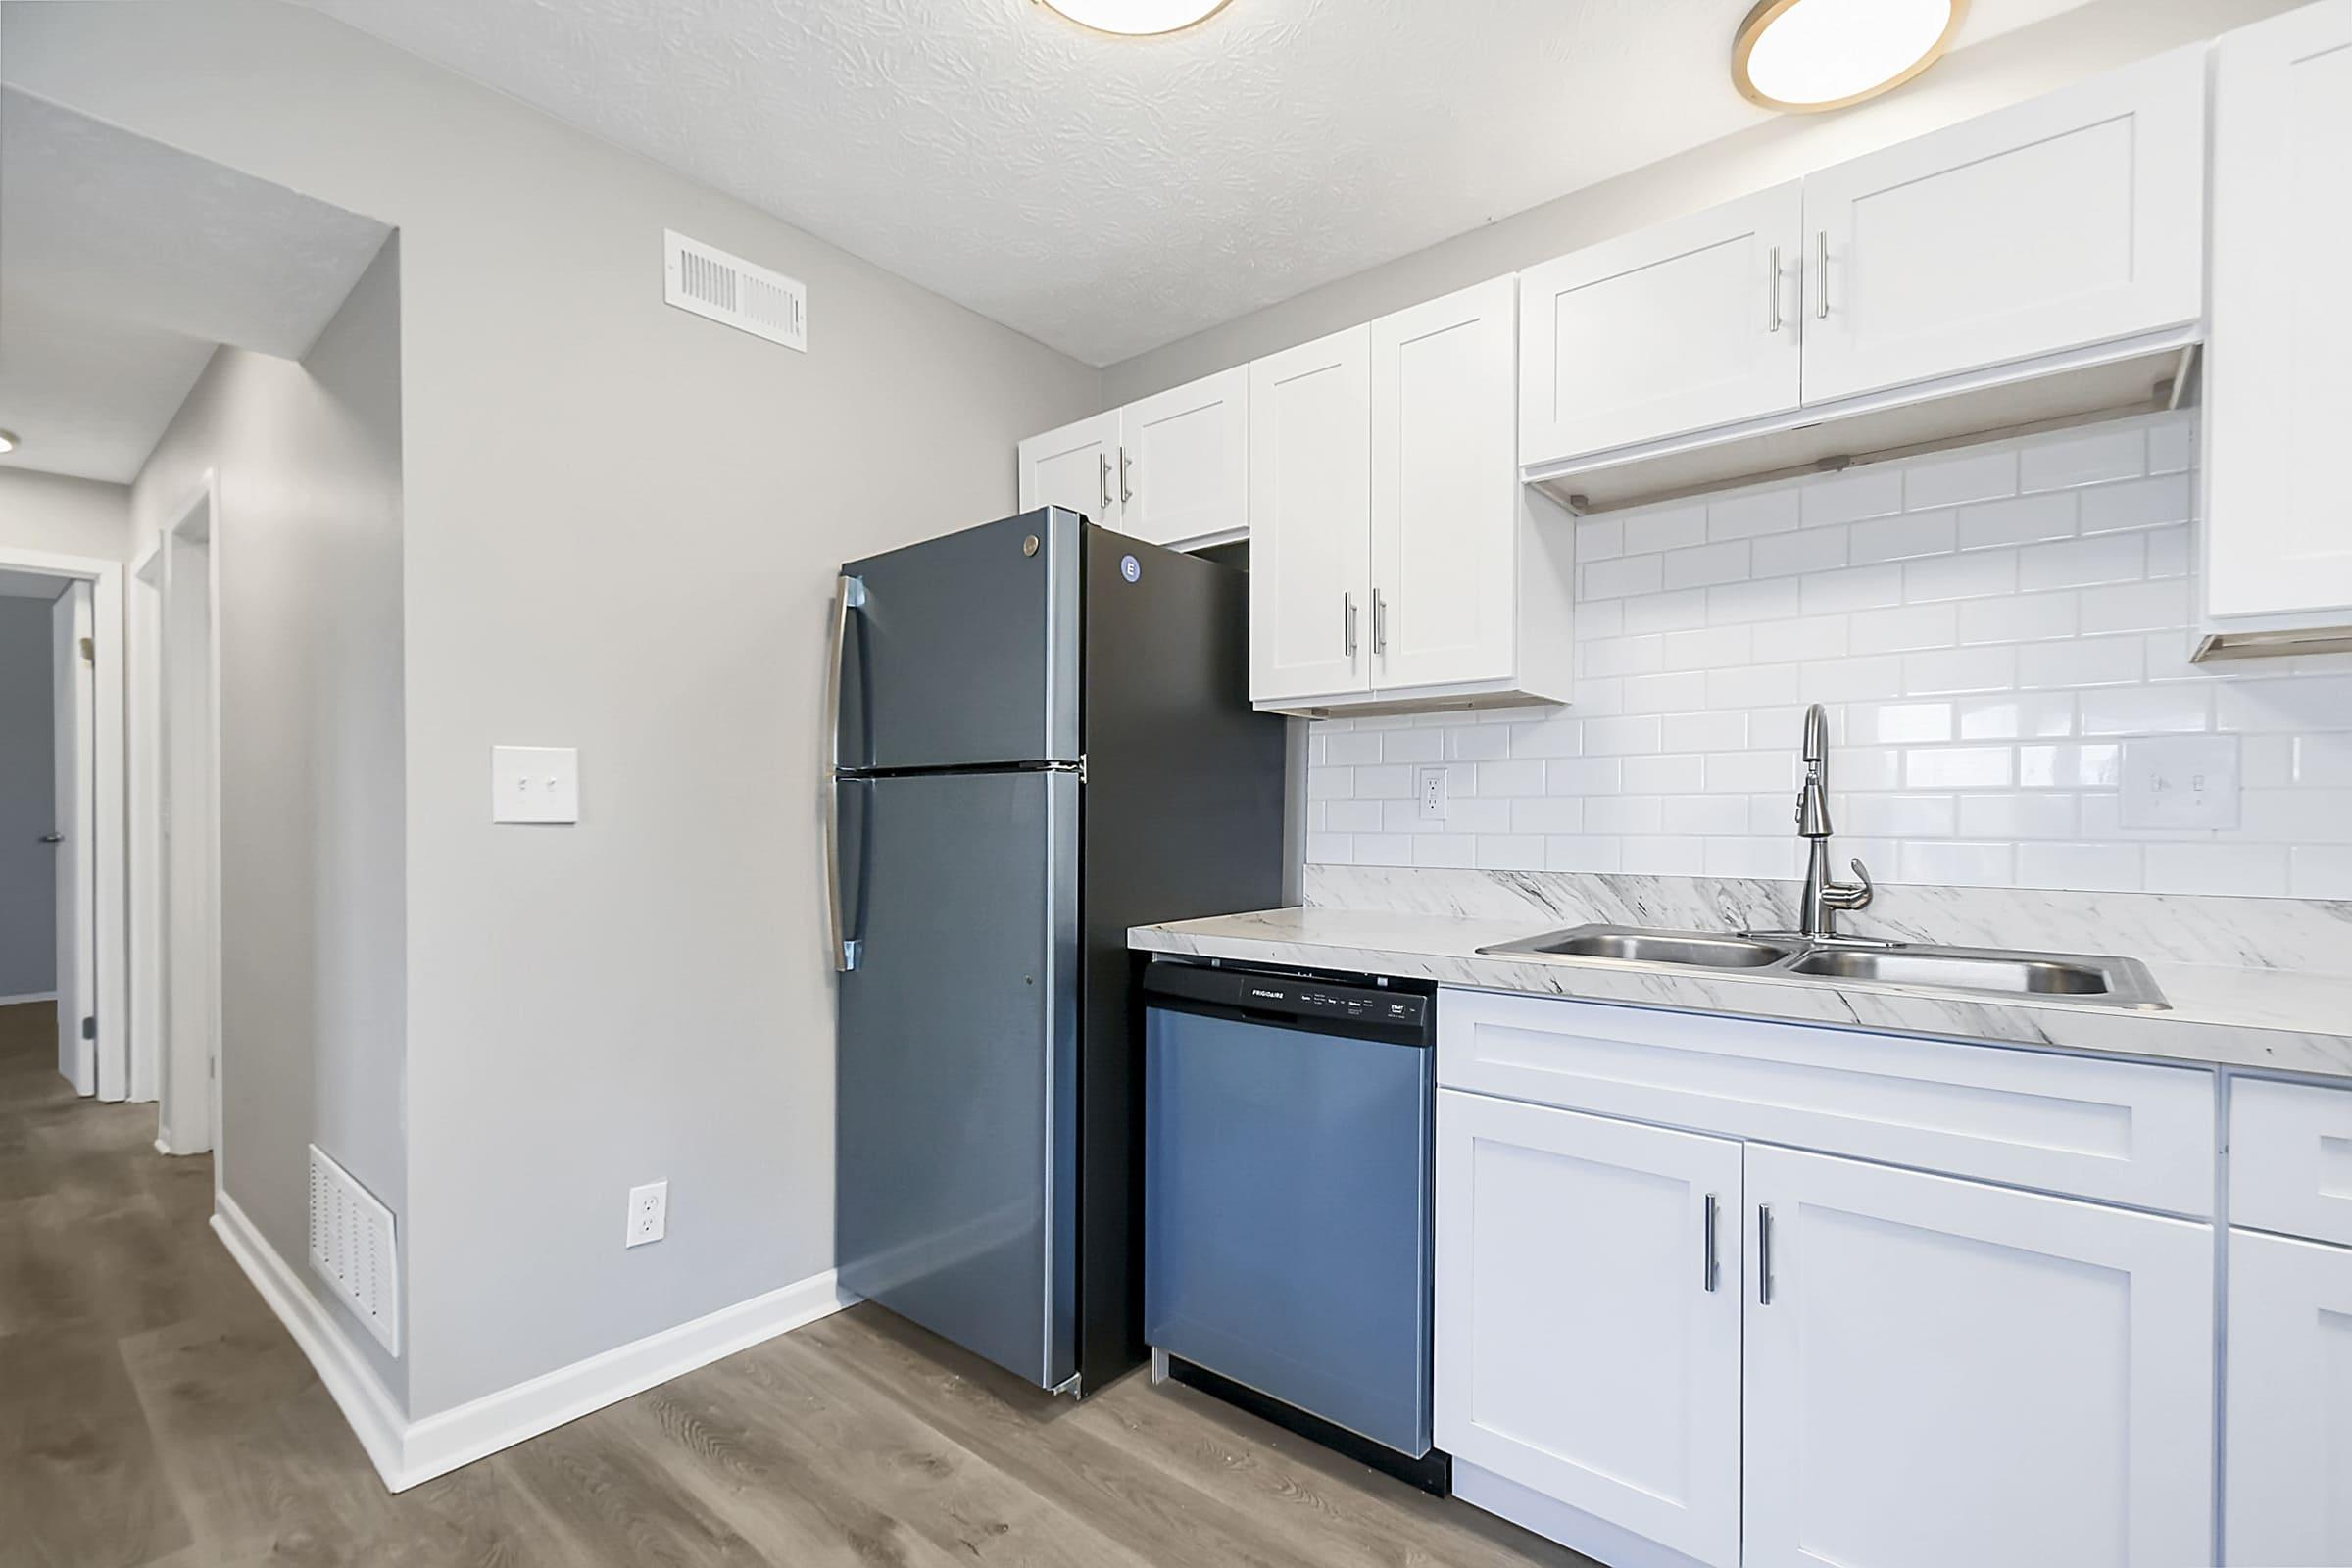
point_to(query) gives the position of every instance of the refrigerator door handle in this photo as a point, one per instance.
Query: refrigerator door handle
(847, 595)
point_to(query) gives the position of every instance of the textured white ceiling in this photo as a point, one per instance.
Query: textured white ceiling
(124, 264)
(1107, 195)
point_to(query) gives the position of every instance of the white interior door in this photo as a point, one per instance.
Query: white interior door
(143, 632)
(1944, 1374)
(74, 712)
(1184, 466)
(2072, 219)
(1075, 468)
(1445, 490)
(2289, 1437)
(1311, 519)
(2278, 399)
(1588, 1341)
(1682, 326)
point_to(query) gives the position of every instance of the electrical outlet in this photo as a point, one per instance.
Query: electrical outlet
(1430, 793)
(648, 1213)
(2179, 781)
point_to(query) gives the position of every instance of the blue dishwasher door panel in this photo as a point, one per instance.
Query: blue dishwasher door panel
(1287, 1222)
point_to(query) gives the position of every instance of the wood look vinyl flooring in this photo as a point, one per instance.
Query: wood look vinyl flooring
(154, 1414)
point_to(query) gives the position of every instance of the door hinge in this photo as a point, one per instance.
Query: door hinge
(89, 650)
(89, 1027)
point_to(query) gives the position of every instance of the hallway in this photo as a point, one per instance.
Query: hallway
(153, 1414)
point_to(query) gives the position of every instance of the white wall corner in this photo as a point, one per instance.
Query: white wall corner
(406, 1452)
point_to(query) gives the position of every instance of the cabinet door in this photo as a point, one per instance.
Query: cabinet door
(2071, 220)
(1075, 466)
(2278, 397)
(1445, 490)
(2288, 1437)
(1184, 476)
(1587, 1344)
(1679, 328)
(1311, 519)
(1942, 1373)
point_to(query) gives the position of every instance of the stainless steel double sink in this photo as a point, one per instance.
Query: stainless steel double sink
(2092, 979)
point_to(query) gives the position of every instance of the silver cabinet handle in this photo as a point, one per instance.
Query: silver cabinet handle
(1347, 622)
(847, 595)
(1763, 1254)
(1380, 622)
(1821, 273)
(1126, 494)
(1707, 1269)
(1772, 308)
(1102, 480)
(53, 838)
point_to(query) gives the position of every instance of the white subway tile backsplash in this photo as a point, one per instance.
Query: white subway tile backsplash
(1947, 481)
(1785, 555)
(1745, 515)
(1986, 627)
(1872, 492)
(2084, 457)
(1929, 533)
(2024, 521)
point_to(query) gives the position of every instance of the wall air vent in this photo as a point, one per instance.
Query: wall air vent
(731, 290)
(352, 1248)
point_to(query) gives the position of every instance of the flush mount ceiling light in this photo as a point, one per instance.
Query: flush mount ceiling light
(8, 440)
(1804, 56)
(1135, 19)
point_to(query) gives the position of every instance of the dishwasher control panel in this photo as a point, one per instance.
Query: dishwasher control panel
(1304, 1000)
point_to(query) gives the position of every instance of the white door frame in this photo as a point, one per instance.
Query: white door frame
(188, 951)
(108, 924)
(74, 819)
(143, 670)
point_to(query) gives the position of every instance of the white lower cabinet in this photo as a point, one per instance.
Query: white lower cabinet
(1666, 1347)
(1946, 1374)
(2287, 1438)
(1588, 1339)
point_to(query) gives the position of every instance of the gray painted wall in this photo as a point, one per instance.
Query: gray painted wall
(313, 824)
(2005, 69)
(621, 527)
(63, 516)
(28, 789)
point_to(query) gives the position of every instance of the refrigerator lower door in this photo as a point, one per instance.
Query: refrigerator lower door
(963, 651)
(957, 1202)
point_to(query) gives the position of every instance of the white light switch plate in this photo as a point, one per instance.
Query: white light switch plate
(2180, 781)
(534, 784)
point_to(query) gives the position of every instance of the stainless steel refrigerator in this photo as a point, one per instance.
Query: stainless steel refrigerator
(1042, 737)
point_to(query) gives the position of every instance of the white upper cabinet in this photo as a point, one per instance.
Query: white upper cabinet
(1944, 1374)
(1075, 468)
(1680, 326)
(1587, 1316)
(2286, 1442)
(1311, 519)
(1445, 490)
(2074, 218)
(1184, 468)
(2279, 383)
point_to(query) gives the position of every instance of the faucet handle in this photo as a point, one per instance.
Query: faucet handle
(1867, 890)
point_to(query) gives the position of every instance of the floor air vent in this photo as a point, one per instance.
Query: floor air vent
(350, 1246)
(731, 290)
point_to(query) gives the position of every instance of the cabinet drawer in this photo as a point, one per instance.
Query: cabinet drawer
(2291, 1158)
(2122, 1132)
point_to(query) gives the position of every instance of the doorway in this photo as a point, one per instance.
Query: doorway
(63, 896)
(184, 829)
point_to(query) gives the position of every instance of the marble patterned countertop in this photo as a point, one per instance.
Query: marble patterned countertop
(2279, 1020)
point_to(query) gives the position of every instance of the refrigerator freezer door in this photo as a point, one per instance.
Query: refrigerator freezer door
(965, 650)
(956, 1124)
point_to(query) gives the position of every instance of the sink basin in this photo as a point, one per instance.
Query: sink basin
(2096, 979)
(1629, 946)
(1900, 966)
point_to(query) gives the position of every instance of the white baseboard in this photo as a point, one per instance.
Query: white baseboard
(366, 1402)
(27, 998)
(406, 1452)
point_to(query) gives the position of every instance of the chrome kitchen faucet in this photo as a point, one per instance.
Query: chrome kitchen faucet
(1823, 897)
